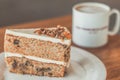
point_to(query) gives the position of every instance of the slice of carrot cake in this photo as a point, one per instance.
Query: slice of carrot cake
(39, 51)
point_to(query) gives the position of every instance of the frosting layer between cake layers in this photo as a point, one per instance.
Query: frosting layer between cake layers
(9, 54)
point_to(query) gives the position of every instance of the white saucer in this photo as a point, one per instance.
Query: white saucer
(84, 66)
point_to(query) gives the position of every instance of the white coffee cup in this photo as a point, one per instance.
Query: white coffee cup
(91, 24)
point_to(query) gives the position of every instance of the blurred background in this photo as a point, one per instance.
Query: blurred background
(21, 11)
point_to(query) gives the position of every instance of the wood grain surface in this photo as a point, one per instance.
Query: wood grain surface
(109, 54)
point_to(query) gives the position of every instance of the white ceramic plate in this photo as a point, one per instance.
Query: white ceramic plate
(84, 66)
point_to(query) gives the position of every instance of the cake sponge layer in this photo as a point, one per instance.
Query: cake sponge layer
(27, 66)
(38, 48)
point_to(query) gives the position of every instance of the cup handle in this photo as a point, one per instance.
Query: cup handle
(117, 22)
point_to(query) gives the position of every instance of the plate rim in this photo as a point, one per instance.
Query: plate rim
(92, 55)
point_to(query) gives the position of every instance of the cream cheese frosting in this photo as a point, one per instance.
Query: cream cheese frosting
(9, 54)
(29, 33)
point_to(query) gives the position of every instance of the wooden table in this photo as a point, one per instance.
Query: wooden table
(109, 54)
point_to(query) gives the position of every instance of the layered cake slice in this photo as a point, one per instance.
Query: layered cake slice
(40, 51)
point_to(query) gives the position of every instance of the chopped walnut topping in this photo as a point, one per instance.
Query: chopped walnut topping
(68, 36)
(37, 32)
(59, 32)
